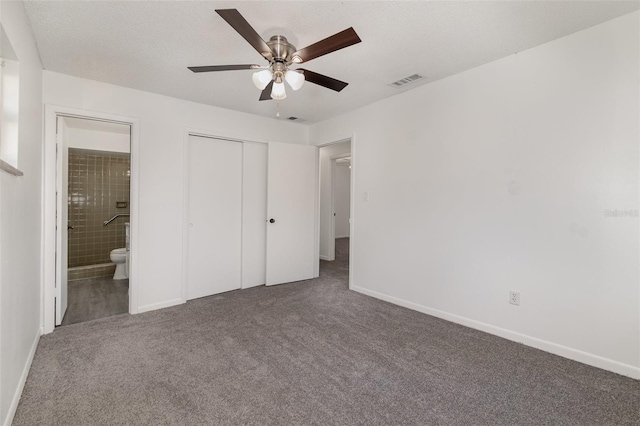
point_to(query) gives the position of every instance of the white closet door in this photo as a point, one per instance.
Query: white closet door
(291, 208)
(215, 216)
(254, 214)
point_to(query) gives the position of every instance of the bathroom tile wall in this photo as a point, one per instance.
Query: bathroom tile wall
(96, 181)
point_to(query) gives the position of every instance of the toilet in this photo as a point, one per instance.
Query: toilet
(119, 257)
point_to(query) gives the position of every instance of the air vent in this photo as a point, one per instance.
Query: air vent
(407, 80)
(292, 118)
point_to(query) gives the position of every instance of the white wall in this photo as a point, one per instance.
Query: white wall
(326, 213)
(500, 178)
(163, 121)
(20, 219)
(341, 190)
(98, 140)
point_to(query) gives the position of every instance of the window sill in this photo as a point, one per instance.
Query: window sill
(10, 169)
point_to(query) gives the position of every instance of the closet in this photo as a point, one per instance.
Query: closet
(251, 214)
(214, 256)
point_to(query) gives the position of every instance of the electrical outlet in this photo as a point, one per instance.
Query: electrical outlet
(514, 297)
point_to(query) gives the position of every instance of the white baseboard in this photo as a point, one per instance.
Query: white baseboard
(23, 380)
(155, 306)
(245, 286)
(323, 257)
(342, 236)
(554, 348)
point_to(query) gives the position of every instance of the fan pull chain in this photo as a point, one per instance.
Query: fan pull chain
(278, 109)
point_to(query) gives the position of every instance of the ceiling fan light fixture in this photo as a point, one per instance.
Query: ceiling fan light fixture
(278, 92)
(294, 78)
(262, 78)
(281, 54)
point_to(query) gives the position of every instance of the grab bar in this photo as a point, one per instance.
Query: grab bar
(106, 222)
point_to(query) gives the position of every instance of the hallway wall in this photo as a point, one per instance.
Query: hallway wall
(342, 198)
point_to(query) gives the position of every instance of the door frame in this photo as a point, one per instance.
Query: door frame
(51, 190)
(333, 165)
(352, 202)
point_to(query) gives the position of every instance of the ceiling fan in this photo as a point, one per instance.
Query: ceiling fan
(281, 55)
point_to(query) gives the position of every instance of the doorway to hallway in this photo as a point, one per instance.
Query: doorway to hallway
(335, 205)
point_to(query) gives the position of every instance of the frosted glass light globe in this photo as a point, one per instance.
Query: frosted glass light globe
(262, 78)
(294, 78)
(278, 91)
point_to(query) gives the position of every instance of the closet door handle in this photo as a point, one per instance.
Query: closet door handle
(272, 220)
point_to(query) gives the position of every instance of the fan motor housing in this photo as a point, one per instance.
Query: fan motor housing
(281, 48)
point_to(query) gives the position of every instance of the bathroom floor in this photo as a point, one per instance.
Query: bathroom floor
(94, 298)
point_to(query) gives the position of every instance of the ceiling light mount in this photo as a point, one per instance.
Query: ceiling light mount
(281, 48)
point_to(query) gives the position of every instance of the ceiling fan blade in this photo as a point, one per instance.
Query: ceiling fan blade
(337, 41)
(323, 80)
(266, 93)
(210, 68)
(237, 21)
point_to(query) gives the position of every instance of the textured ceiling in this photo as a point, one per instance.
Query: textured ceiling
(148, 45)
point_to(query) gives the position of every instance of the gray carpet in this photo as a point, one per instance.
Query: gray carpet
(308, 353)
(93, 298)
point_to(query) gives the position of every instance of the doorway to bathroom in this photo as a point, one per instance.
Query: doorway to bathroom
(94, 205)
